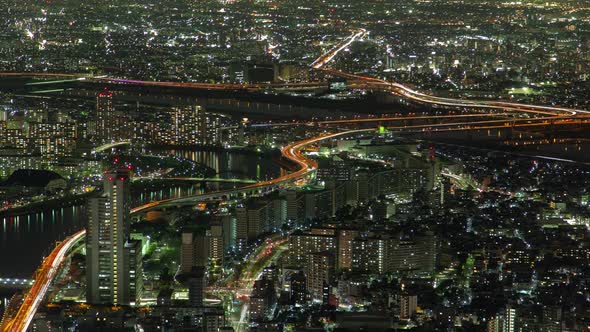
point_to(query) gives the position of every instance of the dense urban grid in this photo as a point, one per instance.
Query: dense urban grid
(294, 165)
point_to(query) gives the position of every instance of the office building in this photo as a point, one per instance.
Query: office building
(213, 319)
(133, 272)
(293, 205)
(262, 300)
(241, 229)
(216, 245)
(197, 282)
(187, 252)
(252, 220)
(194, 251)
(279, 214)
(228, 223)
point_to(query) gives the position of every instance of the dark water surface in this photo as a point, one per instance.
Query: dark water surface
(25, 239)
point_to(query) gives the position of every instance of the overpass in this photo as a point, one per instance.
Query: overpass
(462, 181)
(403, 118)
(189, 179)
(577, 120)
(545, 116)
(49, 269)
(44, 278)
(357, 81)
(546, 141)
(291, 152)
(57, 78)
(110, 146)
(327, 57)
(422, 98)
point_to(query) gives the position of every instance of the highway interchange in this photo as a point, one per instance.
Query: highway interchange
(511, 112)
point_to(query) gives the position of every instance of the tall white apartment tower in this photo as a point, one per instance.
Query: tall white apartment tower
(107, 233)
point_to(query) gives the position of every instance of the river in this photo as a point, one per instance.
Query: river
(27, 238)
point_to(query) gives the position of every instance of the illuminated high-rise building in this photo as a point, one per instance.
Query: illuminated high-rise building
(301, 244)
(197, 282)
(50, 136)
(319, 272)
(208, 126)
(241, 229)
(215, 242)
(251, 221)
(298, 288)
(109, 125)
(133, 272)
(52, 140)
(194, 251)
(510, 323)
(386, 254)
(407, 306)
(105, 126)
(184, 126)
(345, 238)
(107, 234)
(187, 126)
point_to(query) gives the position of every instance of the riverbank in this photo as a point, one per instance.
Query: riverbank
(62, 202)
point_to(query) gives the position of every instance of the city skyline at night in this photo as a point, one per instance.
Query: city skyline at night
(295, 165)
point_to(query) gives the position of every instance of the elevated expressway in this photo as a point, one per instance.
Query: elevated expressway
(44, 278)
(189, 179)
(56, 78)
(366, 82)
(110, 146)
(543, 116)
(50, 267)
(320, 64)
(306, 166)
(291, 152)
